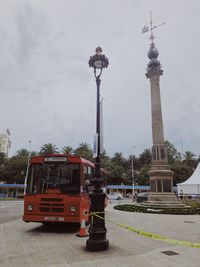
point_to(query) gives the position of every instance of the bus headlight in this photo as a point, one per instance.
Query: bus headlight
(30, 208)
(72, 208)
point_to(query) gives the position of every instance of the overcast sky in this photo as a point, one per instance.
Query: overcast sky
(48, 92)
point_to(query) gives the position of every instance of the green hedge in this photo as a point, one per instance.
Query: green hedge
(136, 208)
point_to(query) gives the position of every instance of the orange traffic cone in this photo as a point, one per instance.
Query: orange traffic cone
(83, 230)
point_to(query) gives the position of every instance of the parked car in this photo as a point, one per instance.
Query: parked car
(114, 196)
(141, 197)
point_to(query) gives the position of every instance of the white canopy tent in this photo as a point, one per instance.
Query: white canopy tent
(192, 185)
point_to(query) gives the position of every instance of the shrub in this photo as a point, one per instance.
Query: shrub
(187, 210)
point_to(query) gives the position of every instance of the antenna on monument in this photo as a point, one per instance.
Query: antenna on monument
(147, 29)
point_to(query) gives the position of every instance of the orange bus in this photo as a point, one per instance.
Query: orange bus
(57, 189)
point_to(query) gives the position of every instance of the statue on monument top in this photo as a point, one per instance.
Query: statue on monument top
(146, 29)
(154, 64)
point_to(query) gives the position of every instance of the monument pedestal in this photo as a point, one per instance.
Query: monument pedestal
(161, 194)
(161, 183)
(161, 187)
(161, 178)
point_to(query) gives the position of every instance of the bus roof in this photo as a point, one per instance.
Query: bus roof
(70, 159)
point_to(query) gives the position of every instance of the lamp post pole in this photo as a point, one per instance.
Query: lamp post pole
(133, 177)
(97, 232)
(98, 147)
(27, 169)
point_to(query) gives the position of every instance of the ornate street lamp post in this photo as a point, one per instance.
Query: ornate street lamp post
(97, 232)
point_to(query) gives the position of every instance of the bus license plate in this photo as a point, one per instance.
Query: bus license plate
(53, 218)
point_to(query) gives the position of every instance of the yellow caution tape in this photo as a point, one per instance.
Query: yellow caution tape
(150, 235)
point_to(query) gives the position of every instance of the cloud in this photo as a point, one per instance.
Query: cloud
(48, 92)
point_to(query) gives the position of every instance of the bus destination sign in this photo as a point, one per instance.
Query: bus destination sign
(55, 159)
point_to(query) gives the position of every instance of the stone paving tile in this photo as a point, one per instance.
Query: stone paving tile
(80, 264)
(12, 261)
(157, 258)
(2, 243)
(33, 245)
(110, 262)
(161, 224)
(2, 262)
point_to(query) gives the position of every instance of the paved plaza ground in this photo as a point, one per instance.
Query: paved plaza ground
(30, 244)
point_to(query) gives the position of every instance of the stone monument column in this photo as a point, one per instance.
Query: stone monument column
(161, 178)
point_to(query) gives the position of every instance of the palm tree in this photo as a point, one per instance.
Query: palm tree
(48, 148)
(105, 160)
(34, 153)
(119, 167)
(104, 156)
(172, 153)
(189, 155)
(84, 150)
(118, 158)
(145, 158)
(2, 158)
(190, 159)
(22, 153)
(67, 150)
(135, 161)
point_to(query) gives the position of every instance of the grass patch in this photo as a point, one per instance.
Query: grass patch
(187, 210)
(10, 198)
(7, 198)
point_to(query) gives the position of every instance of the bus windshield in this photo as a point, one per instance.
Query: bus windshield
(65, 177)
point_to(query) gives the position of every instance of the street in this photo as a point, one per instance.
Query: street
(10, 210)
(32, 244)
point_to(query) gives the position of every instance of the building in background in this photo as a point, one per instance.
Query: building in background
(5, 143)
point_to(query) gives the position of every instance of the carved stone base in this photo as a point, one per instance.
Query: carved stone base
(161, 182)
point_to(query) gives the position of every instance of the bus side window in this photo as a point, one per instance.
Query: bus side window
(85, 171)
(35, 188)
(30, 181)
(33, 179)
(90, 179)
(90, 174)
